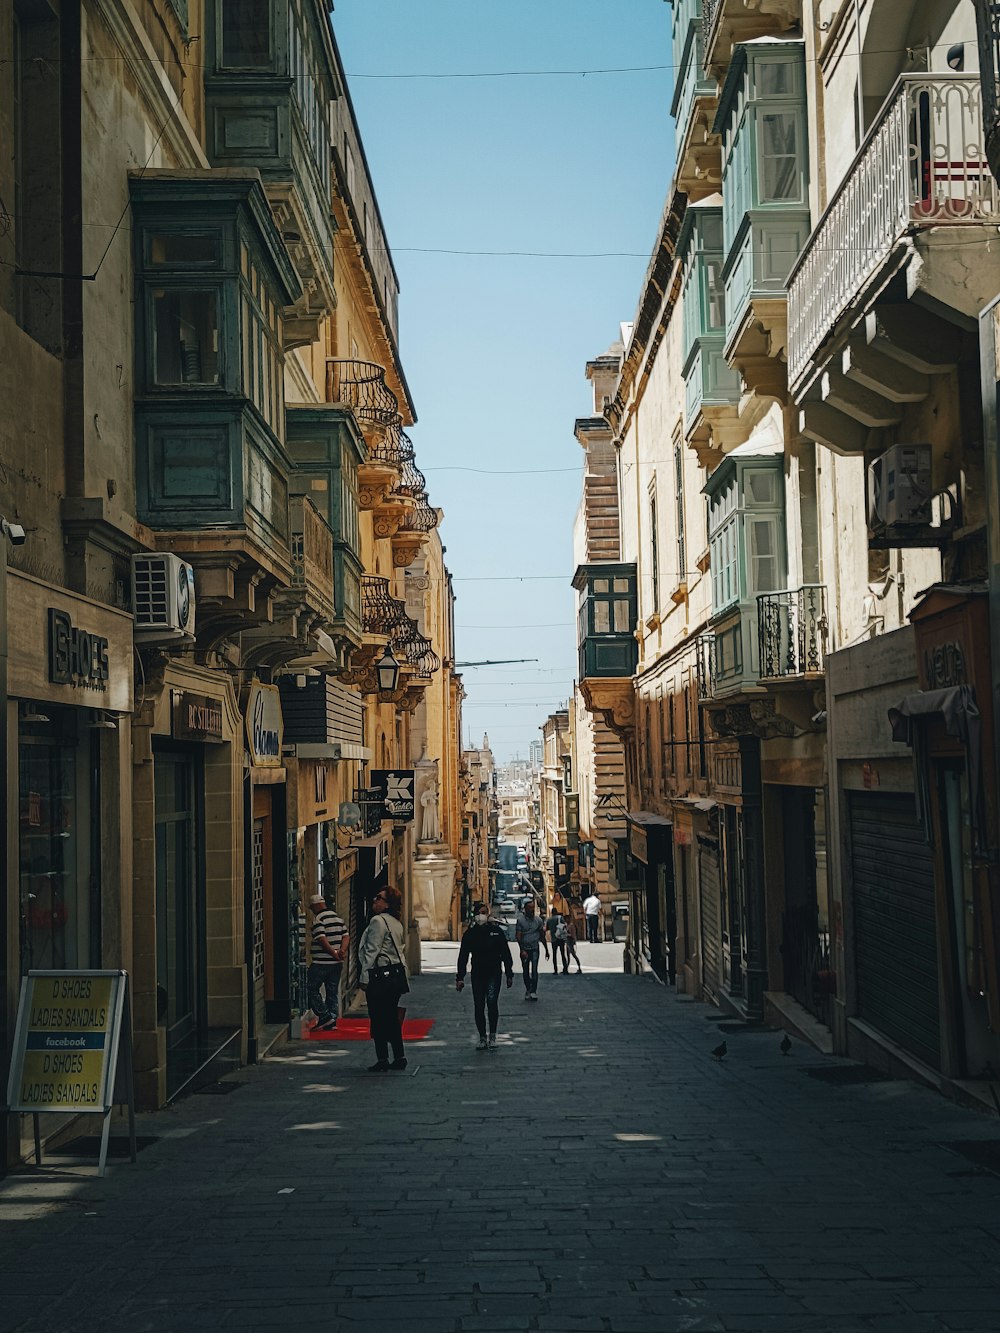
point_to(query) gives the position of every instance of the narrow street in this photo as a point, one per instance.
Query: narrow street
(599, 1172)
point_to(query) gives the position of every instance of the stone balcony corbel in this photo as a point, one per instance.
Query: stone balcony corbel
(614, 698)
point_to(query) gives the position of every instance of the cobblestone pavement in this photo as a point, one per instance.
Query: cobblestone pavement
(600, 1171)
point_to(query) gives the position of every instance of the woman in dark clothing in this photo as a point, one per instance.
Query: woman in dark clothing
(487, 944)
(382, 945)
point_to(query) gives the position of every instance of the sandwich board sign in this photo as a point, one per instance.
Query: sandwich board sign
(71, 1026)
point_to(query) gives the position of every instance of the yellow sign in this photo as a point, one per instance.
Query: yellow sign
(66, 1044)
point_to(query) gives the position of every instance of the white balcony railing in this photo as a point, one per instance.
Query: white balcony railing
(922, 164)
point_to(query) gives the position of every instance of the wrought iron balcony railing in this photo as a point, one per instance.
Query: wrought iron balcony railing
(426, 662)
(791, 632)
(412, 481)
(710, 11)
(361, 386)
(424, 518)
(922, 164)
(381, 613)
(387, 447)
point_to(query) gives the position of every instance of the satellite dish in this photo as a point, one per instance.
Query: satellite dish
(349, 815)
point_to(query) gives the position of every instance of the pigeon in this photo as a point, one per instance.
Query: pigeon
(718, 1052)
(786, 1045)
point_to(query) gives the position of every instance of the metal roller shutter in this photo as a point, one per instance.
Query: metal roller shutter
(895, 936)
(711, 933)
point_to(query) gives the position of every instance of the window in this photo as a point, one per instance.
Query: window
(778, 156)
(654, 545)
(184, 249)
(246, 34)
(764, 561)
(679, 506)
(185, 337)
(37, 174)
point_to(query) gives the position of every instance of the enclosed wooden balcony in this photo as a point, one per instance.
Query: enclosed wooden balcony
(270, 79)
(726, 22)
(695, 102)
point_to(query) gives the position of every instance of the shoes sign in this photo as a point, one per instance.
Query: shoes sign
(395, 790)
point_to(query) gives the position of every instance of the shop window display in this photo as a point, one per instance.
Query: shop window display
(59, 885)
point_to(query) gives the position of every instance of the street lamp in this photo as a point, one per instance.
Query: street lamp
(988, 27)
(387, 672)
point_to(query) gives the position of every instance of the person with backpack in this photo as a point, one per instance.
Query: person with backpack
(486, 943)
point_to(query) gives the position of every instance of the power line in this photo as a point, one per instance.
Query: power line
(510, 472)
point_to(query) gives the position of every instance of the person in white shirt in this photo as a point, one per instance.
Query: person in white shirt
(592, 911)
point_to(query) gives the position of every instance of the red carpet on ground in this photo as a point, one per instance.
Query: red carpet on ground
(359, 1029)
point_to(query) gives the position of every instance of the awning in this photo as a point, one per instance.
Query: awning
(648, 817)
(958, 709)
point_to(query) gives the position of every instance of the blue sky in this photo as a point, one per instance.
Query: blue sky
(494, 347)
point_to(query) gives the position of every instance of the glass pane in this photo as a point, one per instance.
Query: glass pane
(246, 33)
(779, 176)
(716, 295)
(711, 230)
(602, 585)
(774, 80)
(621, 585)
(184, 248)
(623, 621)
(760, 486)
(763, 555)
(55, 909)
(185, 337)
(602, 617)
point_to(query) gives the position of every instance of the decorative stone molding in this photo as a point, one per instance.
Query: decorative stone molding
(614, 698)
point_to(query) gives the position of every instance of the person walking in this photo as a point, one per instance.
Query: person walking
(329, 949)
(552, 923)
(569, 945)
(384, 977)
(592, 912)
(486, 944)
(530, 934)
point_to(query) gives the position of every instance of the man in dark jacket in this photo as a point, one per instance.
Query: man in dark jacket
(487, 945)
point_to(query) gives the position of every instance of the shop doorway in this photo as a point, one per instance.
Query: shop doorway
(733, 898)
(58, 842)
(977, 1049)
(805, 927)
(180, 912)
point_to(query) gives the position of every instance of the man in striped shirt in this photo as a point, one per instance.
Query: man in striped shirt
(329, 949)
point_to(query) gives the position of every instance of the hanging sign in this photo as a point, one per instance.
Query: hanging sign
(265, 727)
(66, 1043)
(395, 791)
(638, 842)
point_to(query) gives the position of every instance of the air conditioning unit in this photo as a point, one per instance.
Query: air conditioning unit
(162, 598)
(899, 488)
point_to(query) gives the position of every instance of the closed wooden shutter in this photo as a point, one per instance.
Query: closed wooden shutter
(895, 935)
(711, 932)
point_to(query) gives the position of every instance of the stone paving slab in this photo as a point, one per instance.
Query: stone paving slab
(599, 1173)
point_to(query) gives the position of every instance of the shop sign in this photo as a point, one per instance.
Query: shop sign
(197, 717)
(944, 666)
(66, 1041)
(76, 656)
(638, 843)
(264, 725)
(347, 864)
(66, 649)
(395, 791)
